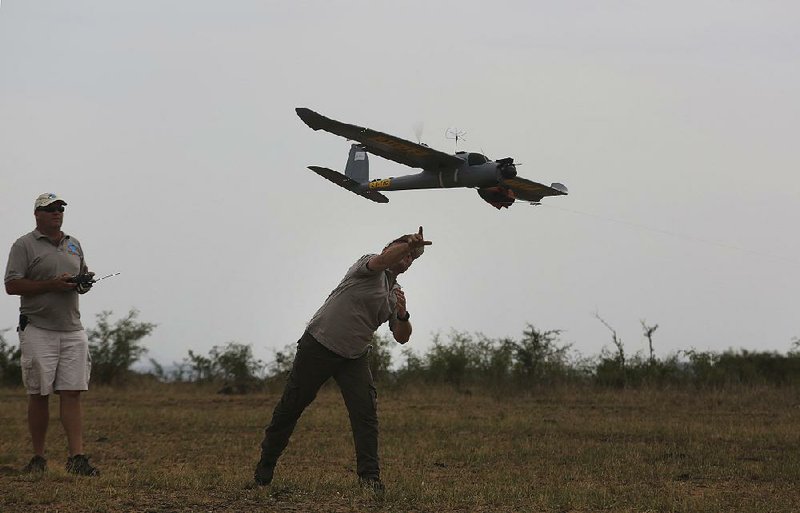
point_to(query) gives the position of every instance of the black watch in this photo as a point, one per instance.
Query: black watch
(406, 318)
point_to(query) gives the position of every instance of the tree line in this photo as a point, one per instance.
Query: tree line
(536, 358)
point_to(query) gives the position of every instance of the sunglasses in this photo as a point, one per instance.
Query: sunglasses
(51, 208)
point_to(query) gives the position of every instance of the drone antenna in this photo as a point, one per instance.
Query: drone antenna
(455, 134)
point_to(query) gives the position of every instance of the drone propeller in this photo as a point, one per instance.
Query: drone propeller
(419, 127)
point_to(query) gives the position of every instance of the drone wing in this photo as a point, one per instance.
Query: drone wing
(349, 184)
(527, 190)
(384, 145)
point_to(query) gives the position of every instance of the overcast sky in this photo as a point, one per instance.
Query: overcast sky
(169, 128)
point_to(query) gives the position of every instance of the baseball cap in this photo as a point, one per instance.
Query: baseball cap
(45, 199)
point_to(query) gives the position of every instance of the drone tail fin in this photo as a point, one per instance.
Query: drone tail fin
(357, 168)
(348, 183)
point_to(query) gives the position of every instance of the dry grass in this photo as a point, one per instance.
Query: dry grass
(183, 448)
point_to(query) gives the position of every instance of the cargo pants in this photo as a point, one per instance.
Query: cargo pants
(313, 365)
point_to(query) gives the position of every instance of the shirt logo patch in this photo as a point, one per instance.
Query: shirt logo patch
(72, 249)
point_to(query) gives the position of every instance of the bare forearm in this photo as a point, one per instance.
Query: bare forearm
(26, 287)
(390, 256)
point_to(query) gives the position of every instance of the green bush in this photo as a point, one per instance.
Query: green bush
(282, 363)
(10, 369)
(537, 358)
(453, 362)
(232, 365)
(380, 357)
(758, 368)
(610, 371)
(114, 348)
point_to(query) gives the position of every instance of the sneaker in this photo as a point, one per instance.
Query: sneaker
(372, 484)
(263, 473)
(80, 466)
(37, 465)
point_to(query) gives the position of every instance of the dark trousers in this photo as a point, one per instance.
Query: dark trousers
(313, 365)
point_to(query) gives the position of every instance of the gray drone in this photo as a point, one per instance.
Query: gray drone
(496, 181)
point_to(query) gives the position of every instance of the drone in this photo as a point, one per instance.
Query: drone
(496, 181)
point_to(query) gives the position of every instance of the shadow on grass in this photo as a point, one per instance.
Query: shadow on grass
(8, 470)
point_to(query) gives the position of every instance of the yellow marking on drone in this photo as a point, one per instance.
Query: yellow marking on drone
(400, 145)
(523, 185)
(380, 183)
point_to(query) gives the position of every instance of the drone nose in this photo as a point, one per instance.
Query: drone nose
(506, 167)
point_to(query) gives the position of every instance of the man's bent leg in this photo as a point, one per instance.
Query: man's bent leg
(72, 420)
(313, 365)
(361, 399)
(38, 420)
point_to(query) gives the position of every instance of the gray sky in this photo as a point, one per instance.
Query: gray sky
(169, 127)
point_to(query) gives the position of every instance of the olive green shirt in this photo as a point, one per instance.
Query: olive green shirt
(35, 257)
(355, 309)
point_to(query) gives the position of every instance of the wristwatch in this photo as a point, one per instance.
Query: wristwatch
(406, 318)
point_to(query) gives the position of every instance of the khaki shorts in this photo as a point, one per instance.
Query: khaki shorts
(54, 360)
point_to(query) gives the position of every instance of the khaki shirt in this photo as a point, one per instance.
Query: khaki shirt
(35, 257)
(354, 310)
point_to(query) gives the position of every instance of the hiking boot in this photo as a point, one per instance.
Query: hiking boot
(372, 484)
(80, 466)
(264, 472)
(37, 465)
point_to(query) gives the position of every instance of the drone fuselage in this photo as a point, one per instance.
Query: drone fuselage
(487, 174)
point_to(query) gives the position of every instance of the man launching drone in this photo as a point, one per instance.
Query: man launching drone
(336, 344)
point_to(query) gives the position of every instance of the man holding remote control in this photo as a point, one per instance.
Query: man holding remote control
(46, 268)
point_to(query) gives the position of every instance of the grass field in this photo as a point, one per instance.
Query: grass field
(185, 448)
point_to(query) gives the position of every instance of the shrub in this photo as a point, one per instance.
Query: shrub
(237, 368)
(495, 359)
(232, 365)
(452, 362)
(380, 357)
(610, 370)
(116, 347)
(757, 368)
(199, 368)
(10, 369)
(537, 357)
(281, 365)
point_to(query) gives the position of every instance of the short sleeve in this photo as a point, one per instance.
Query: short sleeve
(17, 263)
(360, 268)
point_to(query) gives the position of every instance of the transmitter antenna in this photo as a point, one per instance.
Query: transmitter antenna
(455, 134)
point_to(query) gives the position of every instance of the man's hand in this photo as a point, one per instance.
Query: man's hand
(401, 330)
(84, 282)
(417, 243)
(62, 283)
(399, 249)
